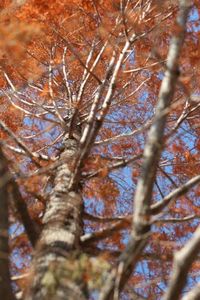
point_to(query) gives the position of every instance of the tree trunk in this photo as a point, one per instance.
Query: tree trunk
(56, 273)
(5, 283)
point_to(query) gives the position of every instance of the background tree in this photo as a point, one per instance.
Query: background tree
(99, 149)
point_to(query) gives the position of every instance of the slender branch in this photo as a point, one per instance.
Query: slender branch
(24, 149)
(182, 262)
(175, 220)
(159, 206)
(145, 67)
(88, 135)
(104, 233)
(66, 79)
(100, 219)
(194, 294)
(74, 52)
(86, 74)
(34, 115)
(21, 276)
(120, 164)
(51, 93)
(95, 122)
(31, 229)
(15, 93)
(22, 152)
(123, 135)
(95, 104)
(20, 204)
(135, 296)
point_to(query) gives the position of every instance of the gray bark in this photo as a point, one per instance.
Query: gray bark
(56, 273)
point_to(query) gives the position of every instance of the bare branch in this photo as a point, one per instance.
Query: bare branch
(175, 220)
(15, 93)
(24, 149)
(74, 52)
(88, 135)
(194, 294)
(94, 122)
(120, 164)
(159, 206)
(66, 79)
(19, 203)
(86, 74)
(104, 233)
(51, 93)
(31, 229)
(145, 67)
(123, 135)
(182, 262)
(106, 219)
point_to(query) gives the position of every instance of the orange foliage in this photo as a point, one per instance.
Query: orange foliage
(28, 31)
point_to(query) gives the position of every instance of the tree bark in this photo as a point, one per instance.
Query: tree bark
(56, 273)
(5, 282)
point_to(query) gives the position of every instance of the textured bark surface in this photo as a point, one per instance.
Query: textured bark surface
(55, 271)
(5, 284)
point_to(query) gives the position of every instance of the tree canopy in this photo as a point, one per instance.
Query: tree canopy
(99, 149)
